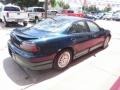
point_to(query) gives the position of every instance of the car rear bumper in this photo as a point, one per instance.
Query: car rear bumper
(16, 20)
(26, 62)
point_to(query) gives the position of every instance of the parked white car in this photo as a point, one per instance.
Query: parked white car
(51, 13)
(35, 13)
(11, 13)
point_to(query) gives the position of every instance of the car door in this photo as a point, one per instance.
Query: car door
(96, 34)
(80, 36)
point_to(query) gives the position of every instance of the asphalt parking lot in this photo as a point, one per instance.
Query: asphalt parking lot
(95, 71)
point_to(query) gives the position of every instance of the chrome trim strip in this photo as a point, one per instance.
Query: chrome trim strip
(81, 53)
(95, 47)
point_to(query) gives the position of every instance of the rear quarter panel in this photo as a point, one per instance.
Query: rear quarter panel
(54, 45)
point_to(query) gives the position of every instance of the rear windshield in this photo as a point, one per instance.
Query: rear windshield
(53, 25)
(39, 10)
(11, 9)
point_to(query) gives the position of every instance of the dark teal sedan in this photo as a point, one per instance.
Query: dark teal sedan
(55, 42)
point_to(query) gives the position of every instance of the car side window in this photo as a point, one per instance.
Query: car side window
(93, 27)
(78, 27)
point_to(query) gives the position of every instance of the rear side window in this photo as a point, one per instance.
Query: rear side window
(93, 27)
(78, 27)
(11, 9)
(39, 10)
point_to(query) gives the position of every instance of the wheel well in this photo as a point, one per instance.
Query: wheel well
(68, 48)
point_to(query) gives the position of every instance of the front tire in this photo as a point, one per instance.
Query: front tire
(0, 20)
(36, 19)
(62, 60)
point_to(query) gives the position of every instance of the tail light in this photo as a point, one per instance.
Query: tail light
(29, 46)
(7, 14)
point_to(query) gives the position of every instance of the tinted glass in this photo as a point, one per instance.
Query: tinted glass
(78, 27)
(11, 9)
(39, 10)
(53, 25)
(93, 27)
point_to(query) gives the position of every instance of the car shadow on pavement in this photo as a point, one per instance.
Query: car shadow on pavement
(22, 76)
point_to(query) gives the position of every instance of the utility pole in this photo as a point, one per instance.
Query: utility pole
(46, 8)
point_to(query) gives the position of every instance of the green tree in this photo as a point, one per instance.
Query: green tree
(61, 4)
(66, 6)
(53, 3)
(25, 3)
(41, 4)
(107, 9)
(90, 9)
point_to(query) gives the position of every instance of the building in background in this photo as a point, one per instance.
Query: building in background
(101, 4)
(77, 4)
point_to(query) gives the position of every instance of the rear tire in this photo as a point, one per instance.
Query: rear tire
(7, 24)
(25, 23)
(62, 59)
(36, 19)
(0, 20)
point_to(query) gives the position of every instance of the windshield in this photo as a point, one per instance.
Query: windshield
(39, 10)
(53, 25)
(11, 9)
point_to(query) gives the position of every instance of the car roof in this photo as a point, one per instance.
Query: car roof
(11, 5)
(70, 18)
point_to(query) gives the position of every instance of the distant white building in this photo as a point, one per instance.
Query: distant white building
(114, 4)
(75, 4)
